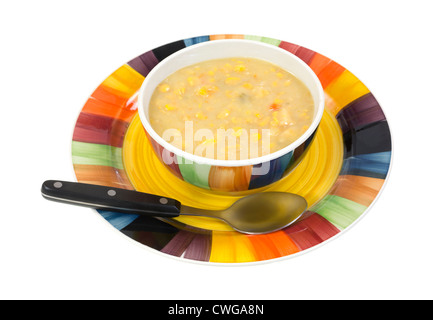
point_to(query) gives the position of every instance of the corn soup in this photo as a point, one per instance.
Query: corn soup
(251, 101)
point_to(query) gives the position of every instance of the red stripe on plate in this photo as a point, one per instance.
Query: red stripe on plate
(100, 129)
(311, 230)
(303, 53)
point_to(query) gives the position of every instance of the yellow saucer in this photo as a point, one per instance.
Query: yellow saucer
(312, 179)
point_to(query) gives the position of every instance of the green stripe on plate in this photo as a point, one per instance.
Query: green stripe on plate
(275, 42)
(96, 154)
(339, 211)
(196, 174)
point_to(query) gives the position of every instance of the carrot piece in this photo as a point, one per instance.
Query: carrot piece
(274, 106)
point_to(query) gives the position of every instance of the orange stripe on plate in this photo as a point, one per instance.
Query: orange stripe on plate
(110, 95)
(125, 113)
(102, 175)
(116, 97)
(272, 245)
(319, 62)
(330, 72)
(325, 69)
(362, 190)
(226, 36)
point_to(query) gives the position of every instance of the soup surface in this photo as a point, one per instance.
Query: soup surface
(231, 109)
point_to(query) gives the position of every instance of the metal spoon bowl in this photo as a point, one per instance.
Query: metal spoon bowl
(257, 213)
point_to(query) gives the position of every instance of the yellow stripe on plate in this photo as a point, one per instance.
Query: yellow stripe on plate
(125, 79)
(229, 247)
(344, 90)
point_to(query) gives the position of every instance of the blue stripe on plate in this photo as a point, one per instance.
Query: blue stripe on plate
(374, 165)
(195, 40)
(118, 220)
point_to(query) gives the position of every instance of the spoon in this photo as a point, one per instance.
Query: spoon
(254, 214)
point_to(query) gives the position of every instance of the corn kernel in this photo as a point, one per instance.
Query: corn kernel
(192, 80)
(228, 67)
(232, 80)
(200, 115)
(223, 114)
(264, 122)
(275, 122)
(247, 85)
(208, 141)
(304, 115)
(240, 68)
(238, 132)
(202, 91)
(164, 87)
(287, 83)
(235, 120)
(260, 92)
(180, 91)
(169, 107)
(211, 89)
(280, 75)
(256, 137)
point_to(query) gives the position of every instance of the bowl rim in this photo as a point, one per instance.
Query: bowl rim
(230, 163)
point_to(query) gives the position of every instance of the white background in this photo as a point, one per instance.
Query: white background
(53, 55)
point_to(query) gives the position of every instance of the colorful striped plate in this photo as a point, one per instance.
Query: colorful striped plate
(340, 177)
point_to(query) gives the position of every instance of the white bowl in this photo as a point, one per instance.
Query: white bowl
(225, 49)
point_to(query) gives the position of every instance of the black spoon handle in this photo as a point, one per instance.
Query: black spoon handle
(111, 199)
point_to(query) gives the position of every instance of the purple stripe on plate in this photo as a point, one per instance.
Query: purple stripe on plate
(199, 248)
(360, 112)
(179, 243)
(144, 63)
